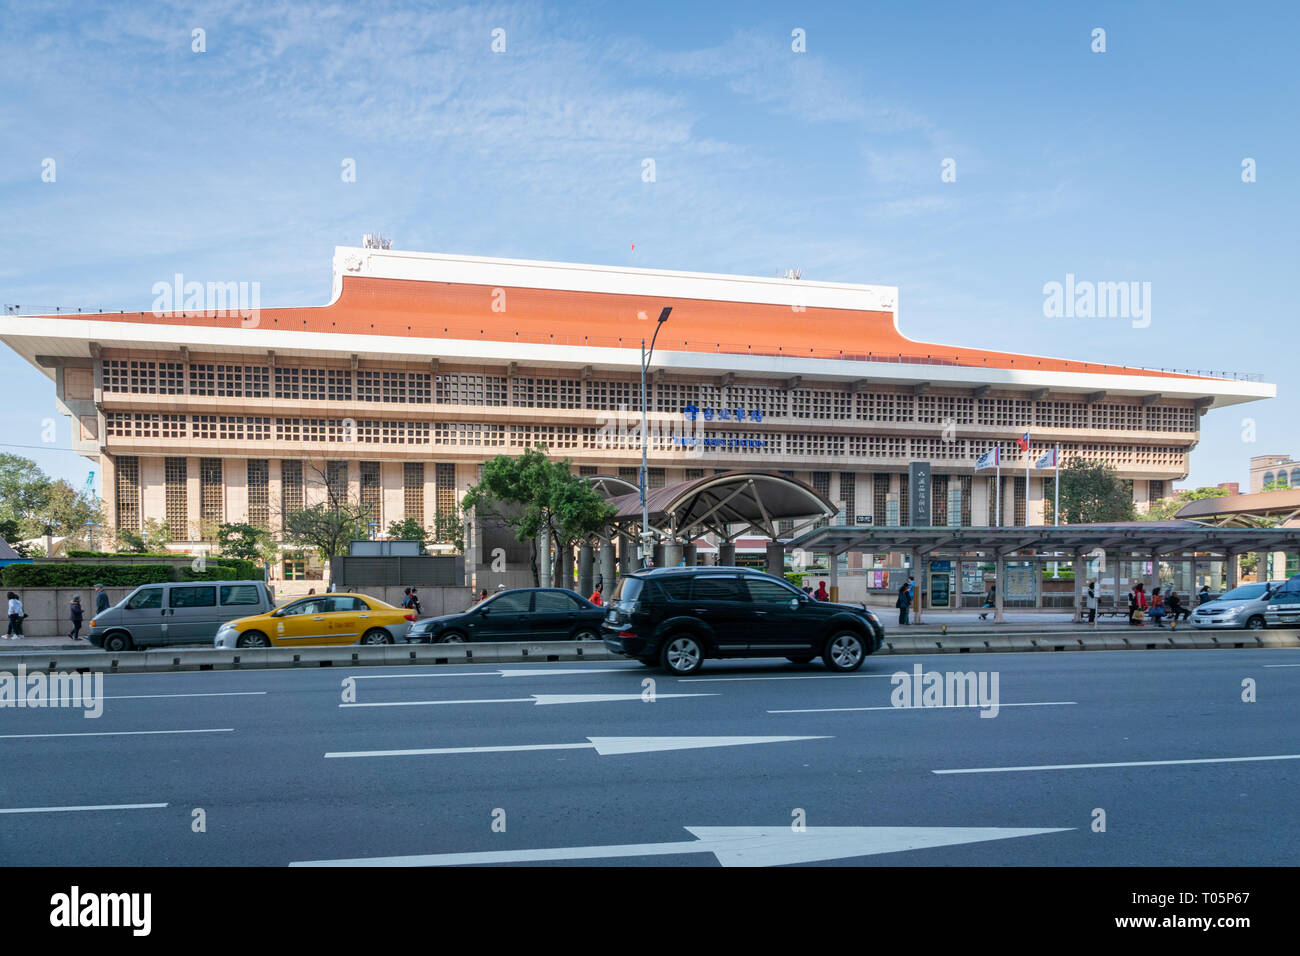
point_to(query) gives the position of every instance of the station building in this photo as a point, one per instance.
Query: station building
(423, 366)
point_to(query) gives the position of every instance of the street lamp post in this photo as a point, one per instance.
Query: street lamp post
(645, 364)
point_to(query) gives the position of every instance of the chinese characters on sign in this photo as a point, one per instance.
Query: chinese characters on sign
(692, 412)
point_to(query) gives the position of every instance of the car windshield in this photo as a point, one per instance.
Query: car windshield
(1247, 592)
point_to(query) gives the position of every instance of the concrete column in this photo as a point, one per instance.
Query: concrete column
(1113, 558)
(1230, 571)
(835, 577)
(775, 559)
(1153, 579)
(692, 554)
(920, 569)
(234, 472)
(999, 594)
(1038, 583)
(392, 498)
(727, 554)
(544, 558)
(566, 568)
(274, 493)
(153, 494)
(586, 567)
(608, 567)
(979, 501)
(1080, 584)
(627, 562)
(673, 552)
(657, 554)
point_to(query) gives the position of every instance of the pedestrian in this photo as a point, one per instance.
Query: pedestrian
(101, 599)
(406, 599)
(311, 590)
(1174, 607)
(1158, 608)
(990, 601)
(415, 603)
(1090, 598)
(1137, 604)
(822, 594)
(807, 589)
(482, 596)
(904, 601)
(16, 616)
(1203, 596)
(596, 597)
(77, 615)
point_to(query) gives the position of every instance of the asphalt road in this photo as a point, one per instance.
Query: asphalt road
(249, 749)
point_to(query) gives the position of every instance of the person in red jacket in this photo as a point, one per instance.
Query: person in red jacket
(822, 594)
(595, 596)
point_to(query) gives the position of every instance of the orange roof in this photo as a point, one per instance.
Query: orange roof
(425, 309)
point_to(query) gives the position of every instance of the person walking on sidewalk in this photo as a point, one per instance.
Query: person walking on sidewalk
(1091, 600)
(16, 616)
(77, 614)
(990, 601)
(1158, 608)
(101, 599)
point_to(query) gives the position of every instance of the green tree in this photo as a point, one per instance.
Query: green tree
(1093, 492)
(1166, 508)
(245, 541)
(531, 493)
(131, 541)
(1276, 486)
(329, 526)
(408, 529)
(157, 535)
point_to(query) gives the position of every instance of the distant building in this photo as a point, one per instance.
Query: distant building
(1268, 469)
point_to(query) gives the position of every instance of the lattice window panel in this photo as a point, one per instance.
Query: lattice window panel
(171, 378)
(1061, 414)
(942, 409)
(127, 485)
(203, 378)
(1005, 412)
(176, 497)
(288, 429)
(259, 494)
(211, 493)
(370, 495)
(1118, 417)
(291, 486)
(459, 389)
(413, 489)
(884, 406)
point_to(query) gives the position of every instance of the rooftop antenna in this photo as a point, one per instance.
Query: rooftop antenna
(793, 273)
(375, 241)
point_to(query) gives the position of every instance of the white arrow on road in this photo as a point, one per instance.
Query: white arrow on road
(733, 846)
(605, 746)
(538, 672)
(540, 699)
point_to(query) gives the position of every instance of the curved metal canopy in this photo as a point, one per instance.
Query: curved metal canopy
(611, 486)
(727, 504)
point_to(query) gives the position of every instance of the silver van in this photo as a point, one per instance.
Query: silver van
(1284, 606)
(188, 612)
(1243, 606)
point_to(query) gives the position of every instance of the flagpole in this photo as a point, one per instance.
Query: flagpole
(1056, 508)
(997, 482)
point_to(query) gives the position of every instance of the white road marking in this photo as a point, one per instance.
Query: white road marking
(605, 746)
(732, 846)
(1282, 665)
(1126, 763)
(123, 733)
(832, 710)
(109, 806)
(233, 693)
(705, 680)
(540, 699)
(539, 672)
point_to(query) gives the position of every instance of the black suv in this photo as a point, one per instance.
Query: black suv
(676, 617)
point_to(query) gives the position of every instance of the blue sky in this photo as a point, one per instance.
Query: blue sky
(1115, 166)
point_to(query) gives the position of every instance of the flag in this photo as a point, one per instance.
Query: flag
(1046, 460)
(1023, 442)
(987, 460)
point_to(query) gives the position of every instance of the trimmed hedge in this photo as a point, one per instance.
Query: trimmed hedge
(112, 576)
(74, 553)
(244, 570)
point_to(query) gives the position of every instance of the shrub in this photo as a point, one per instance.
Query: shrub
(243, 569)
(84, 575)
(211, 573)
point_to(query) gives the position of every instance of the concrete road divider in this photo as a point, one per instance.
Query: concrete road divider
(355, 655)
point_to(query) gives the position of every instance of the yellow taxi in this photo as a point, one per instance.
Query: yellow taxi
(341, 618)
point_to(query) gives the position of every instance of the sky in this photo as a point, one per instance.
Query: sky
(967, 153)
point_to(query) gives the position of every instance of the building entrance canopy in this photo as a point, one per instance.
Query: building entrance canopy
(728, 504)
(1145, 537)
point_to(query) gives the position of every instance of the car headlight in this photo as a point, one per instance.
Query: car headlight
(1232, 612)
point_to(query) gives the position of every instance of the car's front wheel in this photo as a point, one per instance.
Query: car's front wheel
(376, 635)
(253, 639)
(586, 634)
(1256, 623)
(682, 654)
(455, 637)
(117, 642)
(845, 651)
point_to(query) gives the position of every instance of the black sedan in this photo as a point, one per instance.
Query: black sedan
(524, 614)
